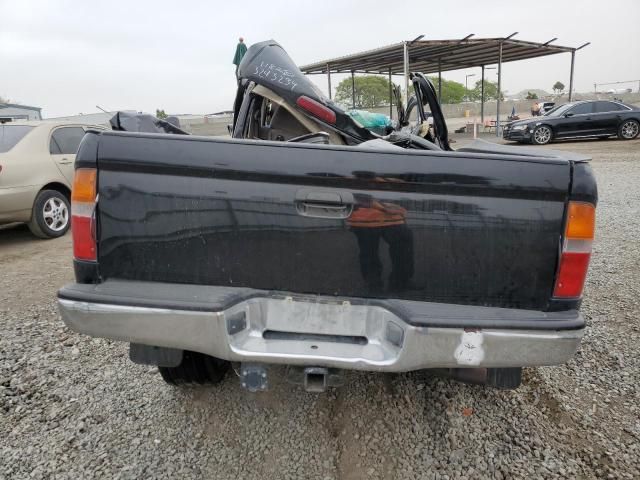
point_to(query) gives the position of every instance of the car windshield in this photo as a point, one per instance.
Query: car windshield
(10, 135)
(558, 111)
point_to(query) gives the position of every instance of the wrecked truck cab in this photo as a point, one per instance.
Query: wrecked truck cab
(273, 89)
(275, 101)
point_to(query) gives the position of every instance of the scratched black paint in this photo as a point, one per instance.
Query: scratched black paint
(478, 229)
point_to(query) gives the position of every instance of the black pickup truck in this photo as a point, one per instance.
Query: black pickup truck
(307, 240)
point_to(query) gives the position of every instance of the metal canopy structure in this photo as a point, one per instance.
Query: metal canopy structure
(431, 56)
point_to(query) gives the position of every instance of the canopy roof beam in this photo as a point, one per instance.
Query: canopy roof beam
(423, 55)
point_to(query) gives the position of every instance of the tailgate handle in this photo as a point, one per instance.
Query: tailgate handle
(324, 203)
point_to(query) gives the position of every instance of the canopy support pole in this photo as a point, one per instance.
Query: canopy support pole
(439, 81)
(406, 71)
(353, 89)
(499, 90)
(329, 79)
(573, 59)
(390, 95)
(482, 96)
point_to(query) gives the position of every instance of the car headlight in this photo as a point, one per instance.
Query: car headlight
(519, 127)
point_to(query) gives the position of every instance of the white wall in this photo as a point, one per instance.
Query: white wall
(19, 113)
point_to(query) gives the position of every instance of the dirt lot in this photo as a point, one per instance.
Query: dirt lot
(74, 407)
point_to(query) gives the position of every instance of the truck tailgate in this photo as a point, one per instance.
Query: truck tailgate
(464, 228)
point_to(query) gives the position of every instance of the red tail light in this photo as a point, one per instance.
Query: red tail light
(83, 204)
(576, 250)
(317, 109)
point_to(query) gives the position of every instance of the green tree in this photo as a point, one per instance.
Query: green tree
(160, 114)
(370, 91)
(558, 87)
(452, 92)
(490, 91)
(532, 96)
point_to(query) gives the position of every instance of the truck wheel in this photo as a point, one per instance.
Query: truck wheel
(50, 217)
(541, 135)
(629, 130)
(195, 368)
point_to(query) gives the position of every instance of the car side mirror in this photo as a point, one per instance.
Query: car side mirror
(567, 115)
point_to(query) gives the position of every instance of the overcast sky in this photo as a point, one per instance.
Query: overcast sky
(67, 56)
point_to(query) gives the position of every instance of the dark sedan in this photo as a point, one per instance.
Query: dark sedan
(584, 119)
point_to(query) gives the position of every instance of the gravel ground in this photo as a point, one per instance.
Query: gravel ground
(75, 407)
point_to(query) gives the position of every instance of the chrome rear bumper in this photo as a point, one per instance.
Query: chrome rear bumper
(321, 332)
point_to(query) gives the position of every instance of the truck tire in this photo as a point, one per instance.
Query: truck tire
(51, 214)
(195, 368)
